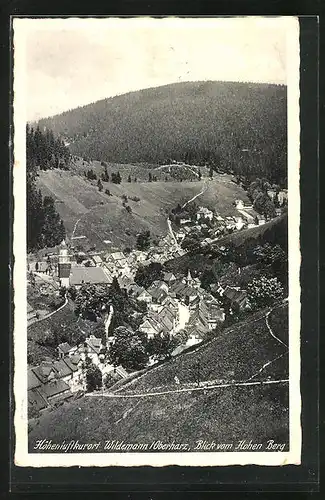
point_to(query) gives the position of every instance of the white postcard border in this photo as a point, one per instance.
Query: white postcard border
(22, 457)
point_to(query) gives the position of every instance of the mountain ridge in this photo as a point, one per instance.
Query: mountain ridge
(244, 82)
(238, 126)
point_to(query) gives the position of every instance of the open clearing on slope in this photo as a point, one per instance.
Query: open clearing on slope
(224, 414)
(103, 217)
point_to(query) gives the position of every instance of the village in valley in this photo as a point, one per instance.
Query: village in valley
(155, 308)
(173, 306)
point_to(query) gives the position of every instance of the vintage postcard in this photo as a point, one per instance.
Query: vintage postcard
(156, 241)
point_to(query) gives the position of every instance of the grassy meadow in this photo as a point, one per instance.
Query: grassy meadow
(101, 218)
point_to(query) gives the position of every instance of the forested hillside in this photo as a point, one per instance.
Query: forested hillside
(235, 127)
(45, 228)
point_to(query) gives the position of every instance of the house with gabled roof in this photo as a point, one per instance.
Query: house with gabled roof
(97, 260)
(92, 347)
(158, 284)
(45, 371)
(234, 296)
(109, 271)
(55, 390)
(172, 304)
(139, 255)
(144, 296)
(167, 324)
(150, 327)
(32, 380)
(115, 257)
(36, 401)
(65, 349)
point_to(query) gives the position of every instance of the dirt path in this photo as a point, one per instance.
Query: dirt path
(205, 187)
(170, 229)
(270, 329)
(51, 313)
(189, 389)
(109, 319)
(276, 338)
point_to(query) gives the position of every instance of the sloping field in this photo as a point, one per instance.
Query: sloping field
(187, 413)
(88, 212)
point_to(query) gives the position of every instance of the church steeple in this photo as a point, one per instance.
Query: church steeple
(64, 266)
(63, 253)
(189, 279)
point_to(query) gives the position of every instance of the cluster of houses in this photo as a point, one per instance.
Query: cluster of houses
(172, 305)
(102, 268)
(235, 297)
(216, 225)
(177, 303)
(52, 382)
(281, 196)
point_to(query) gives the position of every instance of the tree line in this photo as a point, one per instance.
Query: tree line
(44, 151)
(45, 227)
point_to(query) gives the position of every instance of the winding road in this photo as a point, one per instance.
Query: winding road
(51, 313)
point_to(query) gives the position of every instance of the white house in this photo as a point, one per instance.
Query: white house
(239, 223)
(240, 205)
(282, 196)
(204, 213)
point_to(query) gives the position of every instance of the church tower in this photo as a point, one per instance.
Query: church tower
(189, 279)
(64, 265)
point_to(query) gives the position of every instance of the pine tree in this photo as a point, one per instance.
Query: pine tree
(99, 185)
(129, 178)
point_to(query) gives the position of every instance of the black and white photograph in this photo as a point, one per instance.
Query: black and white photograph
(156, 241)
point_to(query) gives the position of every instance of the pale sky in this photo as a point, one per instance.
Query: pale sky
(72, 62)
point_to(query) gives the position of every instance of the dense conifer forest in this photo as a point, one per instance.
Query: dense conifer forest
(238, 128)
(45, 228)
